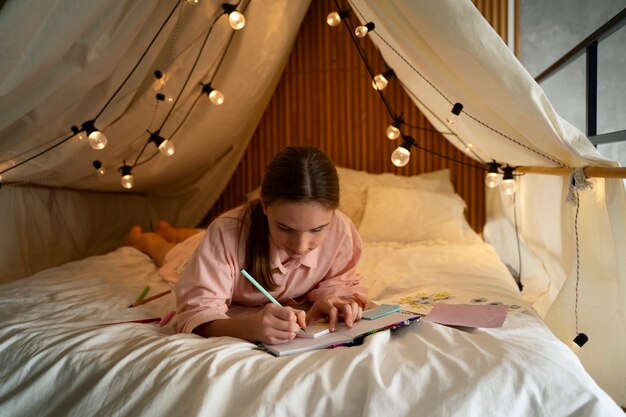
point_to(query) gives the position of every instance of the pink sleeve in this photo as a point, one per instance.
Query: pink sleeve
(342, 280)
(204, 289)
(177, 258)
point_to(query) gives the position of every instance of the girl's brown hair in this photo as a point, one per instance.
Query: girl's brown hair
(297, 174)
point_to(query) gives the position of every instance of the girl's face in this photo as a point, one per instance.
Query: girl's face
(298, 228)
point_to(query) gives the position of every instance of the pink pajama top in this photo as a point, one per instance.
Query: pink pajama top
(211, 282)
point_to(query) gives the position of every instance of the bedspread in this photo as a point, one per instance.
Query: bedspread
(57, 361)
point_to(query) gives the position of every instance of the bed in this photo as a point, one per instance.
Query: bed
(58, 360)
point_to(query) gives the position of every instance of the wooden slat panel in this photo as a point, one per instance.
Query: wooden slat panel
(325, 99)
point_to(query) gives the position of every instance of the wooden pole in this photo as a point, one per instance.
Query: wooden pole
(590, 172)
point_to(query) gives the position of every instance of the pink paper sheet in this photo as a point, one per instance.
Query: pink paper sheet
(468, 315)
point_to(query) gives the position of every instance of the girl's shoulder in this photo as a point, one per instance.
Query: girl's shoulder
(342, 221)
(232, 219)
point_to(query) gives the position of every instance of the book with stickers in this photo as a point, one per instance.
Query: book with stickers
(318, 335)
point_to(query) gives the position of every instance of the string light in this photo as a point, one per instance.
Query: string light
(165, 146)
(215, 96)
(99, 168)
(236, 19)
(160, 81)
(508, 180)
(163, 97)
(580, 339)
(78, 133)
(493, 177)
(127, 176)
(401, 156)
(362, 30)
(334, 18)
(393, 130)
(97, 139)
(456, 110)
(380, 81)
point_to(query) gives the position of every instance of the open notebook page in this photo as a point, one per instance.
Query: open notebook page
(342, 335)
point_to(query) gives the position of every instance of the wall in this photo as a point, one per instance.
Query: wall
(325, 99)
(550, 29)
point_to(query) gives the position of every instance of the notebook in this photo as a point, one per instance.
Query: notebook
(320, 337)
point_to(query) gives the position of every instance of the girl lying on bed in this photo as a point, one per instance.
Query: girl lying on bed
(293, 241)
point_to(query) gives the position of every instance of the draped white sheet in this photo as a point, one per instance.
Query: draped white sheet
(63, 60)
(445, 52)
(56, 361)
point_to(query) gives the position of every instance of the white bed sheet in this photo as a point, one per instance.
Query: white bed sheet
(55, 361)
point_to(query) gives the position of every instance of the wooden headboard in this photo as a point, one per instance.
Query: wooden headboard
(325, 99)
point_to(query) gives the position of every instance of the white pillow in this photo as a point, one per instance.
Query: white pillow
(408, 215)
(354, 186)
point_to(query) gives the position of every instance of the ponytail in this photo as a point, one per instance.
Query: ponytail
(257, 259)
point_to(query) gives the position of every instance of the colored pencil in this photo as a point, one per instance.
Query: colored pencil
(263, 291)
(152, 320)
(166, 318)
(141, 295)
(154, 297)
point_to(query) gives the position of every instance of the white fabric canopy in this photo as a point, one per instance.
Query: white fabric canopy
(61, 61)
(445, 52)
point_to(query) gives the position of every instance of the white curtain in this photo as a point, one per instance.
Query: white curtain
(444, 52)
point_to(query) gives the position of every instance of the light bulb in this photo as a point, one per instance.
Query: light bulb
(165, 98)
(468, 148)
(97, 140)
(361, 31)
(393, 132)
(236, 20)
(192, 1)
(128, 181)
(456, 110)
(508, 180)
(127, 176)
(161, 79)
(379, 82)
(508, 187)
(79, 134)
(333, 19)
(580, 340)
(493, 179)
(167, 148)
(401, 156)
(99, 168)
(216, 97)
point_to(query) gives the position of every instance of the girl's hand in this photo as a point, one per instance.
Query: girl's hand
(275, 324)
(333, 307)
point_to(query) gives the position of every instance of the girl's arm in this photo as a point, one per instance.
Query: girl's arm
(273, 325)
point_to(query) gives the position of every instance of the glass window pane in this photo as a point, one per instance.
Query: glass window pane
(566, 91)
(549, 29)
(612, 82)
